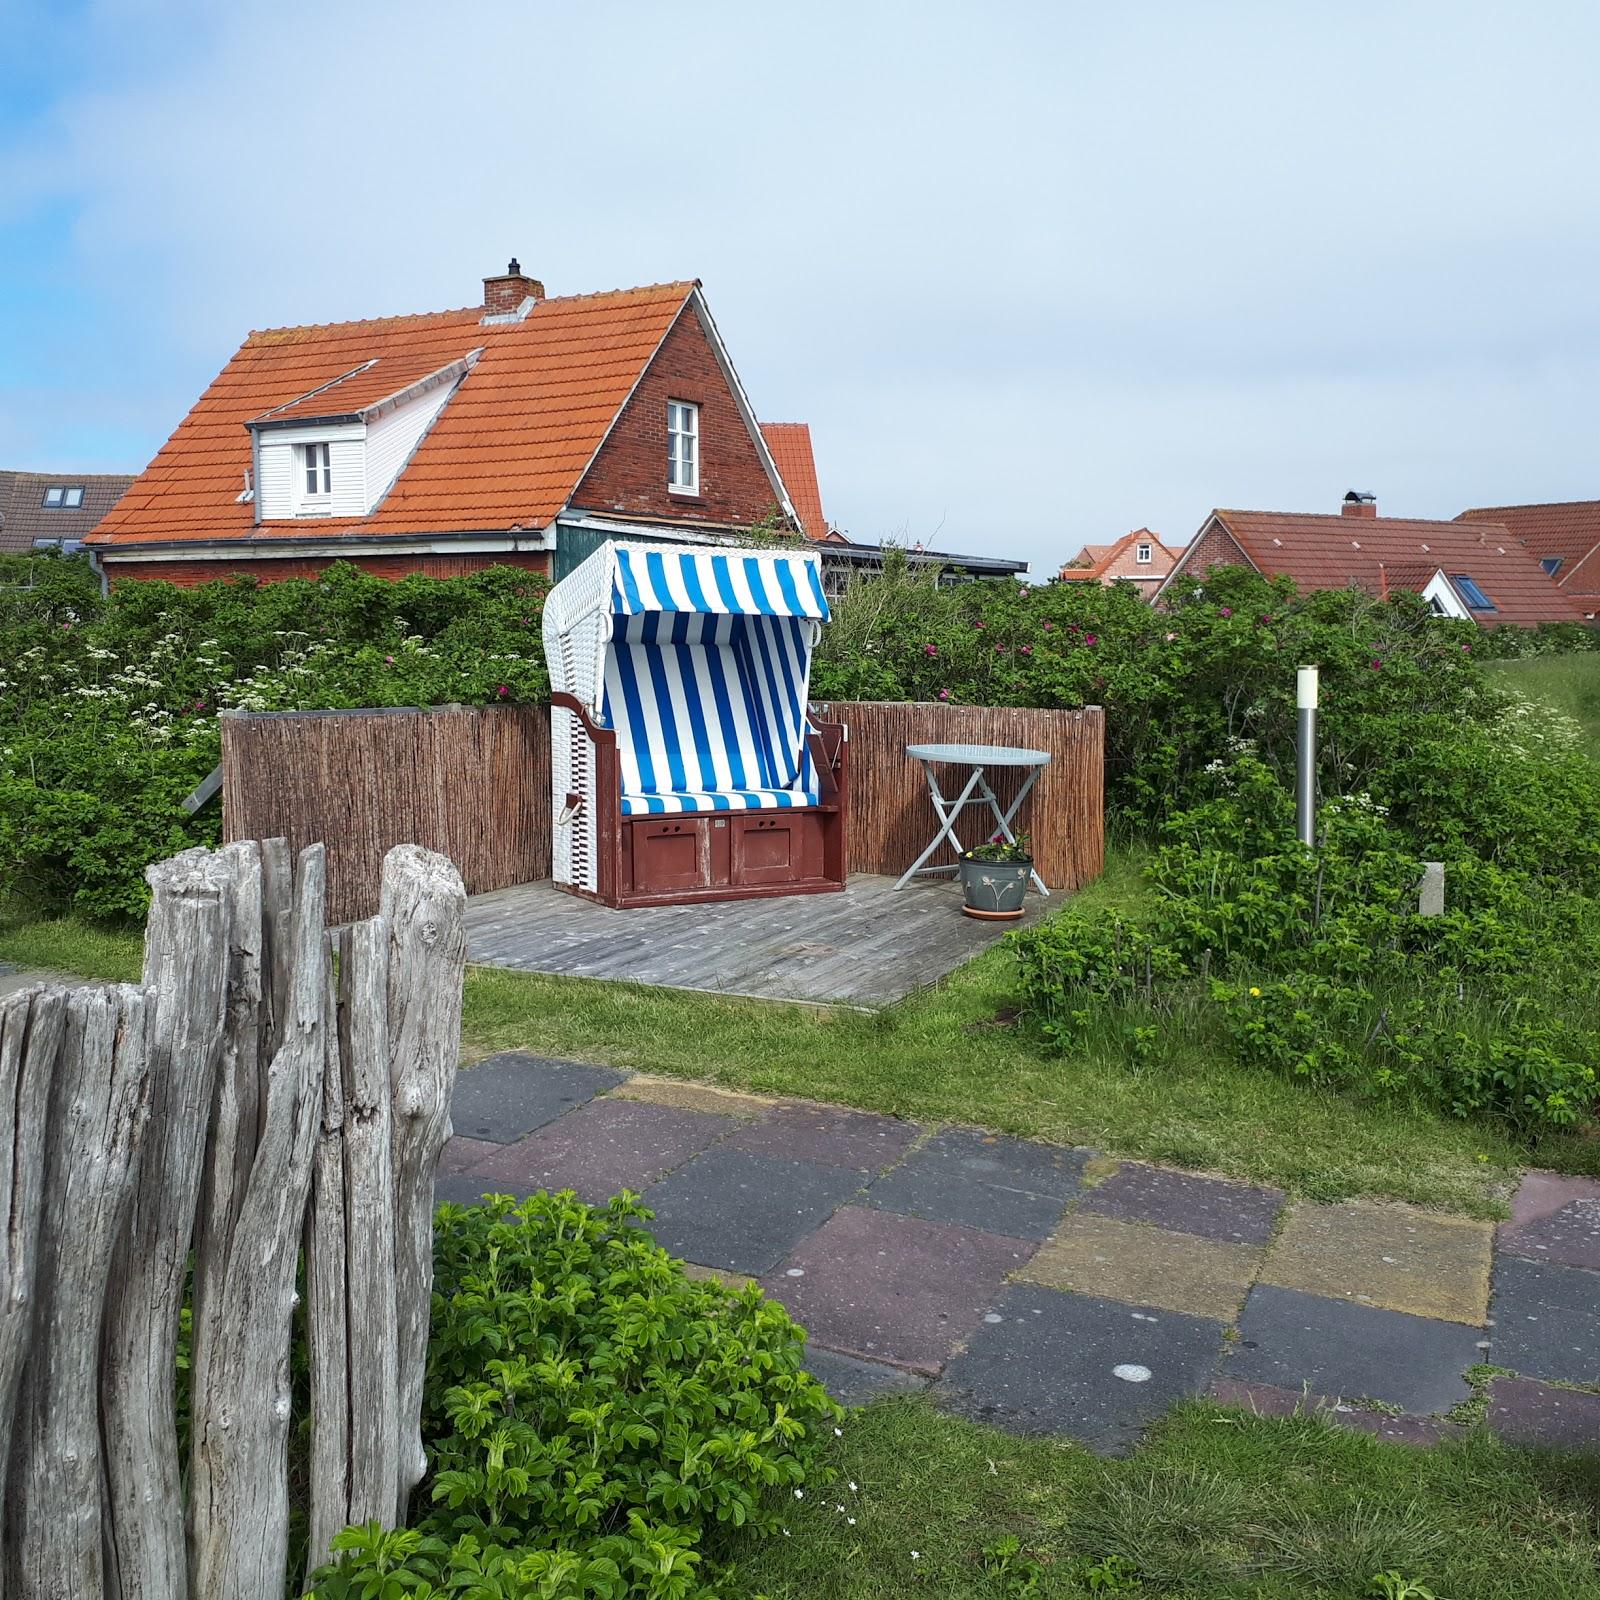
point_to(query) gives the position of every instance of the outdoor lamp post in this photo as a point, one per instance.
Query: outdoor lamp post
(1305, 699)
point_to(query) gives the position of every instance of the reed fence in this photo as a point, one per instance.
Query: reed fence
(473, 783)
(892, 817)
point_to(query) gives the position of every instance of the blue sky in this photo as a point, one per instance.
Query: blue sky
(1035, 274)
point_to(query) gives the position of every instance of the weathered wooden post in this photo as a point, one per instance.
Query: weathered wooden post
(240, 1387)
(54, 1522)
(32, 1024)
(186, 968)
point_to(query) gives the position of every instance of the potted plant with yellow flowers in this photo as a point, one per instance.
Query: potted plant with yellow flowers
(994, 878)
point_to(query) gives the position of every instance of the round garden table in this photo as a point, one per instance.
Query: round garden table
(975, 793)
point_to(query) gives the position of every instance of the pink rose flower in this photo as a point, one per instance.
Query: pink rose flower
(389, 659)
(944, 694)
(1090, 638)
(1048, 626)
(930, 649)
(1027, 649)
(1226, 611)
(1376, 665)
(979, 623)
(503, 690)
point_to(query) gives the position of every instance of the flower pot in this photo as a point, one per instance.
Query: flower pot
(994, 890)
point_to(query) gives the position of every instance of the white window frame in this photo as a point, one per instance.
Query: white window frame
(1142, 554)
(683, 447)
(313, 460)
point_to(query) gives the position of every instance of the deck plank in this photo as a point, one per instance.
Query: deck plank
(869, 946)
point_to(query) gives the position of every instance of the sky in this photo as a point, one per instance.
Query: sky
(1035, 274)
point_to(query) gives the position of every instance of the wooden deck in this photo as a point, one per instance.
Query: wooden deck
(869, 946)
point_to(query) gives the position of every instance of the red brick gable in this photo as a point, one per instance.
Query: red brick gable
(1212, 547)
(629, 472)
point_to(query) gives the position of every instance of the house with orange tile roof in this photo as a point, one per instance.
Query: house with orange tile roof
(1138, 557)
(522, 431)
(1473, 572)
(1564, 536)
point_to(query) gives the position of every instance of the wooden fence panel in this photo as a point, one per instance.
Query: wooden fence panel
(472, 783)
(892, 818)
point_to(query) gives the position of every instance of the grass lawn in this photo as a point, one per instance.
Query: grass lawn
(1571, 683)
(1215, 1504)
(943, 1056)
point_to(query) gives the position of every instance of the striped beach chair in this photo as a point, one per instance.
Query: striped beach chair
(685, 765)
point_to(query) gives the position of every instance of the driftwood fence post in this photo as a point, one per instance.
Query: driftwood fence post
(241, 1102)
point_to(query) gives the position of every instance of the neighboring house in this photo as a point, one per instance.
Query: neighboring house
(1564, 535)
(54, 508)
(1465, 570)
(1138, 557)
(843, 560)
(523, 431)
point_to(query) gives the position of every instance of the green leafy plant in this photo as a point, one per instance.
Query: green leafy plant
(596, 1421)
(1018, 851)
(1392, 1586)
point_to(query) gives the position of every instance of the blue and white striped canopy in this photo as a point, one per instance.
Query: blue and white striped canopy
(723, 582)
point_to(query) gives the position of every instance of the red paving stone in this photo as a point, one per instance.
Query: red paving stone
(886, 1287)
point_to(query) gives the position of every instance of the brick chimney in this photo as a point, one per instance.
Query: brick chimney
(502, 295)
(1357, 503)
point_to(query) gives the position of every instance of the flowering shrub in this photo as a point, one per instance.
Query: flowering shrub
(591, 1414)
(108, 708)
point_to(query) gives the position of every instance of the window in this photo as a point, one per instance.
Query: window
(683, 447)
(1141, 554)
(1476, 599)
(52, 497)
(319, 473)
(1552, 564)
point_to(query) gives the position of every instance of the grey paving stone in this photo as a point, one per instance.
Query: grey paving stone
(506, 1096)
(1527, 1412)
(1546, 1320)
(1342, 1349)
(853, 1382)
(601, 1149)
(826, 1134)
(743, 1212)
(1264, 1400)
(1049, 1361)
(892, 1288)
(1012, 1187)
(1235, 1212)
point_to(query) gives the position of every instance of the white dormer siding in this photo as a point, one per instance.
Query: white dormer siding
(392, 437)
(280, 490)
(366, 451)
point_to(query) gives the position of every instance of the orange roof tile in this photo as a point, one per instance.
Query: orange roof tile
(507, 451)
(790, 444)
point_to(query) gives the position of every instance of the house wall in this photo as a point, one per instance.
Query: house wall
(1215, 547)
(269, 569)
(392, 438)
(629, 474)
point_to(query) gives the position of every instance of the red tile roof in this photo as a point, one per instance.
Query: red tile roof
(1568, 531)
(507, 451)
(790, 444)
(1336, 552)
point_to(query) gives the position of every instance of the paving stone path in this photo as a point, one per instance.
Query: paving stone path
(1049, 1290)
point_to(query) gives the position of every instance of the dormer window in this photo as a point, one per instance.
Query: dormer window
(1141, 554)
(683, 447)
